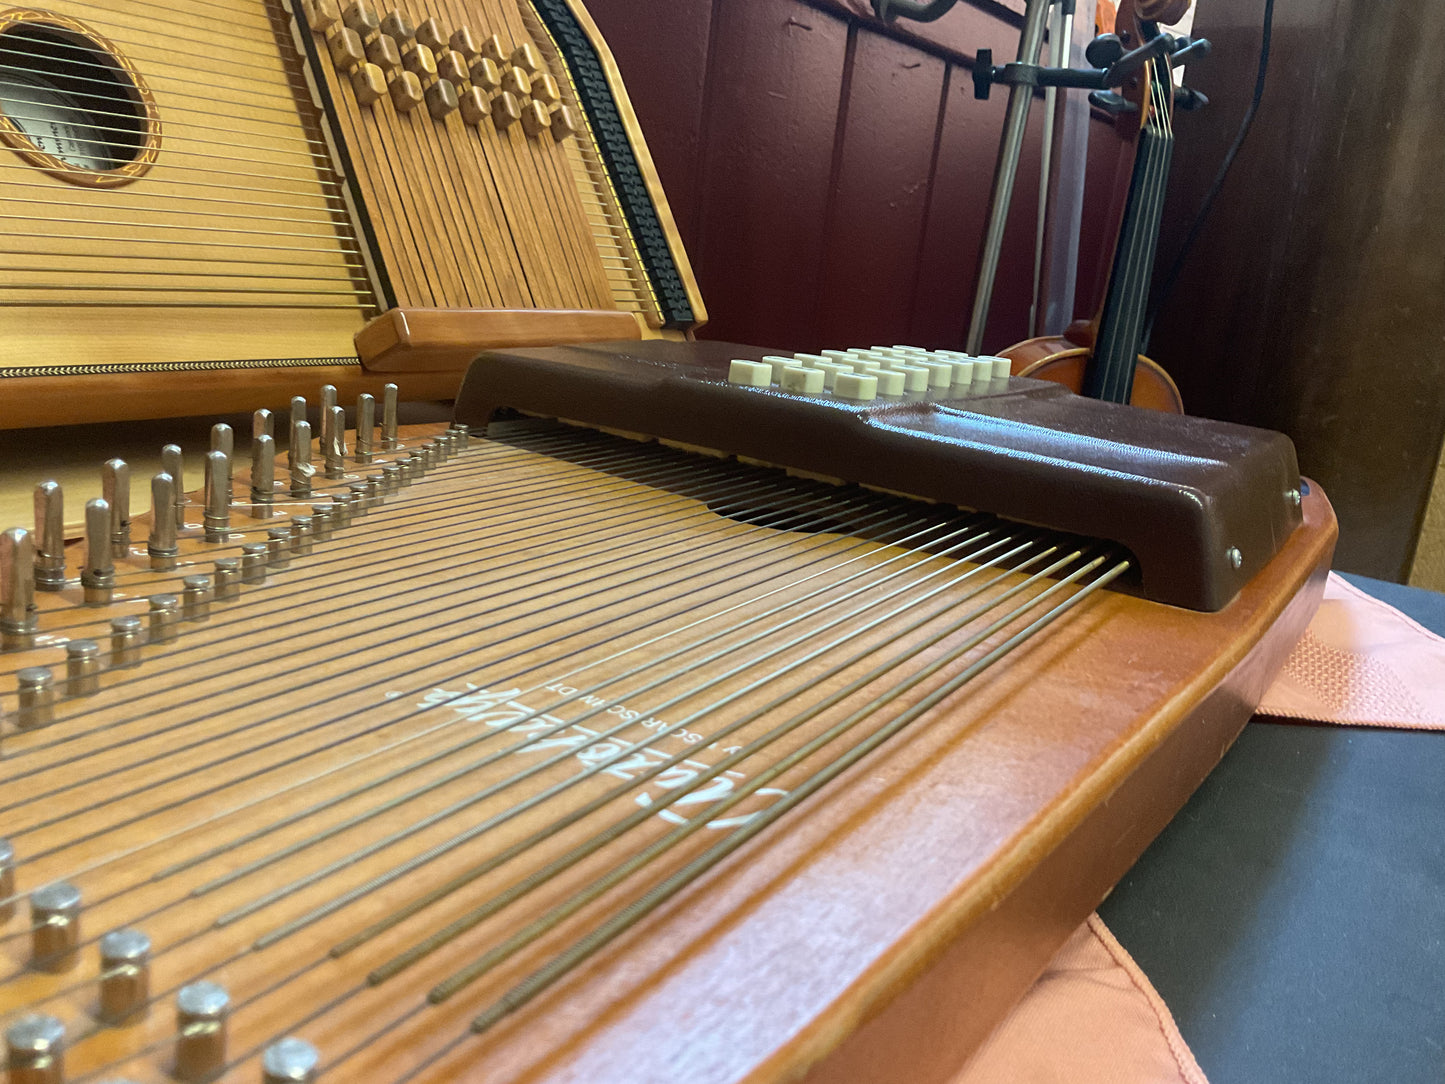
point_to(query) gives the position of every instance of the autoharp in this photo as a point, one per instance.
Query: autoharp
(207, 205)
(578, 741)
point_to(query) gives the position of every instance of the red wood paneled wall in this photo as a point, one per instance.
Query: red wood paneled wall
(830, 175)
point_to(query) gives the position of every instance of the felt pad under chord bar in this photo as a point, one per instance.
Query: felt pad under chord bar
(1203, 505)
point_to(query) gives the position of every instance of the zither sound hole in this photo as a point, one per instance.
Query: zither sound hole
(70, 100)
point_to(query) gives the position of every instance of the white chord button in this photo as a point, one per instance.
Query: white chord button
(890, 382)
(803, 381)
(779, 363)
(753, 374)
(855, 386)
(915, 376)
(831, 370)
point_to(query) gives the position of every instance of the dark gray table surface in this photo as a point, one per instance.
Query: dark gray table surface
(1292, 915)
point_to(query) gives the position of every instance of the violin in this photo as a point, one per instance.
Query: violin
(1100, 358)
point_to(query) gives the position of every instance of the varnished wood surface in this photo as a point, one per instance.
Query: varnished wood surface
(756, 972)
(412, 340)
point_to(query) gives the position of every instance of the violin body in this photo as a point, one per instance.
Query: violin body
(1062, 359)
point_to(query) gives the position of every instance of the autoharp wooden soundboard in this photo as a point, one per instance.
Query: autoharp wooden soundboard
(208, 205)
(577, 741)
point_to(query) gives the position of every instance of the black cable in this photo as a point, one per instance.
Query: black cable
(1214, 188)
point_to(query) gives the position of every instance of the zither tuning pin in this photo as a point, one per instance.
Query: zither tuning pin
(365, 426)
(263, 424)
(289, 1061)
(54, 927)
(263, 474)
(202, 1009)
(172, 464)
(115, 488)
(35, 1050)
(218, 498)
(162, 543)
(49, 537)
(301, 468)
(18, 615)
(98, 575)
(125, 957)
(7, 880)
(388, 417)
(333, 441)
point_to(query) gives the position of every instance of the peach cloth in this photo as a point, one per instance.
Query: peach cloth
(1362, 663)
(1093, 1017)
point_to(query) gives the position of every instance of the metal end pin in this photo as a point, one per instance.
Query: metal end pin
(365, 426)
(300, 458)
(172, 463)
(263, 424)
(18, 615)
(388, 417)
(278, 547)
(360, 498)
(301, 535)
(164, 616)
(98, 575)
(125, 976)
(253, 562)
(321, 523)
(228, 579)
(35, 688)
(218, 498)
(289, 1061)
(391, 478)
(341, 510)
(7, 880)
(333, 442)
(82, 668)
(54, 927)
(223, 439)
(196, 598)
(35, 1050)
(115, 488)
(162, 542)
(125, 641)
(263, 474)
(201, 1012)
(49, 537)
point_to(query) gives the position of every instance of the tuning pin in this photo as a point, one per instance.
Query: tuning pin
(223, 439)
(35, 1050)
(201, 1012)
(18, 616)
(172, 464)
(7, 880)
(125, 957)
(289, 1061)
(98, 575)
(463, 436)
(263, 473)
(35, 694)
(125, 641)
(162, 543)
(217, 517)
(328, 400)
(54, 927)
(321, 523)
(263, 424)
(278, 547)
(333, 442)
(391, 477)
(115, 488)
(388, 417)
(49, 537)
(298, 409)
(301, 469)
(365, 425)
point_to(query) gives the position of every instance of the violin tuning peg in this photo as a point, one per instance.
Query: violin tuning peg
(1104, 50)
(1188, 99)
(1112, 103)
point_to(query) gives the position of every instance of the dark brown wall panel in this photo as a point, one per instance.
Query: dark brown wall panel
(767, 154)
(880, 194)
(662, 50)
